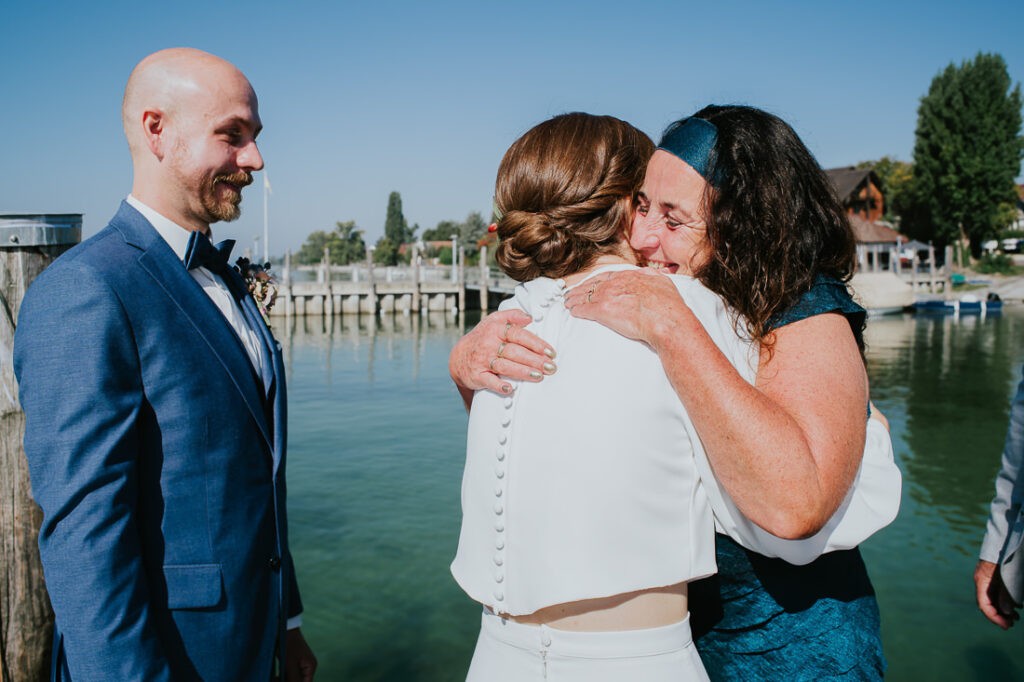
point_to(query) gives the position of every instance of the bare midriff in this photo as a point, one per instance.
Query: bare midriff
(651, 608)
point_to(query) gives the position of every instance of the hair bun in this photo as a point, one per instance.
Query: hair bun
(530, 244)
(566, 188)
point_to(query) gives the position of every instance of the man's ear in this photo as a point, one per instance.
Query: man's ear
(153, 132)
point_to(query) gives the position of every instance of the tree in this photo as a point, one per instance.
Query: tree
(395, 226)
(345, 243)
(470, 231)
(967, 153)
(350, 247)
(895, 176)
(443, 232)
(312, 250)
(385, 252)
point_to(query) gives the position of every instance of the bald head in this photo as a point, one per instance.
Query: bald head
(191, 120)
(173, 81)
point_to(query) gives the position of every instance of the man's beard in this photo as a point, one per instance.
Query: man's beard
(225, 209)
(203, 189)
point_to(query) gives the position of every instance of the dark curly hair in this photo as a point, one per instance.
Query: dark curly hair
(774, 223)
(565, 193)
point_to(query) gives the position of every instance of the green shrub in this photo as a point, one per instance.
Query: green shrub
(996, 264)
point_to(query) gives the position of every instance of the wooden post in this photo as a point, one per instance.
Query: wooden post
(28, 243)
(415, 304)
(287, 288)
(461, 280)
(931, 268)
(484, 273)
(325, 307)
(372, 285)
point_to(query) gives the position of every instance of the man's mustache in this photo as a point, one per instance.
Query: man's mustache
(240, 179)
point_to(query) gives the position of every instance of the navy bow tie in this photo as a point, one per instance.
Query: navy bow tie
(200, 252)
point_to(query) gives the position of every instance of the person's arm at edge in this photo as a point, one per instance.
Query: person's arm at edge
(993, 599)
(301, 664)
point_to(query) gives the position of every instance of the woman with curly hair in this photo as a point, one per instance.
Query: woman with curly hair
(734, 198)
(579, 535)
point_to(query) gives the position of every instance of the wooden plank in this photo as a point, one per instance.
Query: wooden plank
(26, 618)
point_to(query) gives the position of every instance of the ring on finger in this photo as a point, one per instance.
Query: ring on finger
(501, 349)
(504, 335)
(491, 365)
(590, 296)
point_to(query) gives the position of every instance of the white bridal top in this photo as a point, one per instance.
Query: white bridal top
(585, 485)
(594, 483)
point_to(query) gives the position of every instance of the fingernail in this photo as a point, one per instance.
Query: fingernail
(506, 388)
(550, 352)
(549, 368)
(535, 374)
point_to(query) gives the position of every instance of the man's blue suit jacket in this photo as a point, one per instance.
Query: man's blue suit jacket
(157, 454)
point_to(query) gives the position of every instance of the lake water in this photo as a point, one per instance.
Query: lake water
(376, 446)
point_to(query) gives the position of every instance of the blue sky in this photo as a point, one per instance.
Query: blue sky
(359, 99)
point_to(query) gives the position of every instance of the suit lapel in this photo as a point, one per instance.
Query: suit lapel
(160, 262)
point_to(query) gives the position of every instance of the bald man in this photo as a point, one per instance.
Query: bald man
(155, 403)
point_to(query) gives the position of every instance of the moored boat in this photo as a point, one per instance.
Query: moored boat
(967, 304)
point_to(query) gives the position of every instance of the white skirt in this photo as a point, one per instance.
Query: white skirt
(507, 651)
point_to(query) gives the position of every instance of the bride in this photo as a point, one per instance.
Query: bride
(579, 534)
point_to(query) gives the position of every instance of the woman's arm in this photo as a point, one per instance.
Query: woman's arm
(475, 364)
(788, 447)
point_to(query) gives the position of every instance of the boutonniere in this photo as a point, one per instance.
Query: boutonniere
(262, 285)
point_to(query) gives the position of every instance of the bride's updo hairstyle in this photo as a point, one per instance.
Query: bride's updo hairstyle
(564, 194)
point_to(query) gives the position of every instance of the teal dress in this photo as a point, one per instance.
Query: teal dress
(765, 619)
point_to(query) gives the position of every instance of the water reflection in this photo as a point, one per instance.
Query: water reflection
(950, 381)
(945, 384)
(377, 333)
(376, 446)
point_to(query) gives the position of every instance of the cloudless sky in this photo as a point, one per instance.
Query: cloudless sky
(362, 98)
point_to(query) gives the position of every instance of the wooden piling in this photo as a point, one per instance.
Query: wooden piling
(484, 276)
(415, 304)
(28, 243)
(286, 285)
(372, 303)
(461, 281)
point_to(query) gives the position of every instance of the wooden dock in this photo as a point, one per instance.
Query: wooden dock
(357, 290)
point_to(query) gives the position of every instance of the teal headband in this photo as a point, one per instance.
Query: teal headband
(693, 140)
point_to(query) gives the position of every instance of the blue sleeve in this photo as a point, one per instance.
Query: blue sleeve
(81, 390)
(826, 295)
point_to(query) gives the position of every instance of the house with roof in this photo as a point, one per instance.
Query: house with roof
(882, 252)
(859, 190)
(878, 245)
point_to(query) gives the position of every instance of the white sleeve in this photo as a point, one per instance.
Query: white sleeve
(871, 503)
